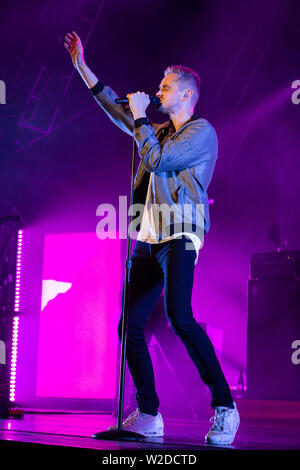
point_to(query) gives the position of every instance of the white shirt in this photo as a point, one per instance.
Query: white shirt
(148, 232)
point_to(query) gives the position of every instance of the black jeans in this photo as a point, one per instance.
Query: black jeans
(169, 265)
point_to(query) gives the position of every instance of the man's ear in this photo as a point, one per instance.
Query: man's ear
(188, 93)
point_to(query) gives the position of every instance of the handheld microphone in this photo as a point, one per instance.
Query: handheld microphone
(154, 100)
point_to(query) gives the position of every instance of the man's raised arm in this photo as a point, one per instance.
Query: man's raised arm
(119, 114)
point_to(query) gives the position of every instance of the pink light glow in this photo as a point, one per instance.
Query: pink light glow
(77, 352)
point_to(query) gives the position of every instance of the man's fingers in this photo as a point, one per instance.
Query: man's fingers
(68, 47)
(70, 39)
(68, 44)
(136, 93)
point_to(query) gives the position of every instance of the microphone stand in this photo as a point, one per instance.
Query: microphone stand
(121, 434)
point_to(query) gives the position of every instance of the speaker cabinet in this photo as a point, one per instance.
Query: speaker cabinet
(273, 346)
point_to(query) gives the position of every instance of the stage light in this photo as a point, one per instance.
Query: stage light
(15, 326)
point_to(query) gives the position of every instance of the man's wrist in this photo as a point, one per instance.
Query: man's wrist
(81, 67)
(139, 115)
(87, 75)
(97, 88)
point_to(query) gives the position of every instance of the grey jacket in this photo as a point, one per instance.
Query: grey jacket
(182, 163)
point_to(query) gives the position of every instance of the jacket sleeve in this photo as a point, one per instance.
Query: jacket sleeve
(193, 146)
(119, 114)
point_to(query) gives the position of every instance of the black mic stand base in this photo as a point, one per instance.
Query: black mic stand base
(119, 434)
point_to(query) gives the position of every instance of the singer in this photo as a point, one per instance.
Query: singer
(176, 167)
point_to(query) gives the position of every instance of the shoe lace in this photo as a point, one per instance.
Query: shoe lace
(219, 418)
(132, 417)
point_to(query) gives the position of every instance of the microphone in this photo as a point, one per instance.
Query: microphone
(154, 100)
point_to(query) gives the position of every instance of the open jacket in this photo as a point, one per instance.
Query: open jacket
(182, 163)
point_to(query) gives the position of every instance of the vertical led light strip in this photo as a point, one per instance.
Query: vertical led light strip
(15, 331)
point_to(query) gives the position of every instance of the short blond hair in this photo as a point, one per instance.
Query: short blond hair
(186, 76)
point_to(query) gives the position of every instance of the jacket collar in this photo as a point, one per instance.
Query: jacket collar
(171, 125)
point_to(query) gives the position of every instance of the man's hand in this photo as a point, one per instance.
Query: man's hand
(138, 103)
(73, 44)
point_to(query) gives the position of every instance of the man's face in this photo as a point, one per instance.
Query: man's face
(169, 94)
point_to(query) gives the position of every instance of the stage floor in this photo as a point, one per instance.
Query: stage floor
(264, 426)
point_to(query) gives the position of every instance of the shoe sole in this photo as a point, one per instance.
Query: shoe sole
(153, 434)
(146, 433)
(211, 443)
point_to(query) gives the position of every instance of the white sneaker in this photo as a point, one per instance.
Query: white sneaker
(143, 423)
(226, 422)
